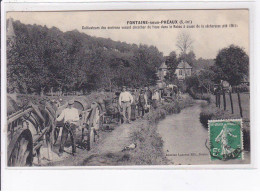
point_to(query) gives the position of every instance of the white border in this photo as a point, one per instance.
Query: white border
(25, 175)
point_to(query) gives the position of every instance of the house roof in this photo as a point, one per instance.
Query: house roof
(183, 65)
(163, 66)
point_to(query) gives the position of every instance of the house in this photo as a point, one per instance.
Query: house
(183, 70)
(162, 71)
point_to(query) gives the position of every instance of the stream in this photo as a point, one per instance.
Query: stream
(184, 139)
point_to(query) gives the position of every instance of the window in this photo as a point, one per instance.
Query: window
(180, 72)
(164, 72)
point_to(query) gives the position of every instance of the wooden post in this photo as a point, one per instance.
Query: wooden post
(216, 100)
(224, 99)
(239, 103)
(231, 102)
(219, 101)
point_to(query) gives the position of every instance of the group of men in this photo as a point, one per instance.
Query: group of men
(140, 99)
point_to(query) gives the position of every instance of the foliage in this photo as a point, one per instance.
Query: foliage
(232, 65)
(200, 82)
(192, 83)
(201, 63)
(190, 58)
(45, 58)
(241, 88)
(171, 63)
(205, 79)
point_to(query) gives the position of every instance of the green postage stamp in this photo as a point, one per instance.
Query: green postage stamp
(226, 139)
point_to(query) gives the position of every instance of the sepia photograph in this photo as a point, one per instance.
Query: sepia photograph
(127, 88)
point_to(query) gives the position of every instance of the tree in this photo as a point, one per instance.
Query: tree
(232, 65)
(192, 84)
(190, 58)
(184, 42)
(171, 63)
(205, 79)
(47, 58)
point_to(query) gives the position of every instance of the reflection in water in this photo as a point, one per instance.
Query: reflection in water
(184, 139)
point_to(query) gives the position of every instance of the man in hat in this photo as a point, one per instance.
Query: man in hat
(142, 103)
(155, 98)
(149, 94)
(70, 117)
(125, 101)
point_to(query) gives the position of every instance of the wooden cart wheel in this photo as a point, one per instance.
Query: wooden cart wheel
(100, 120)
(22, 152)
(91, 138)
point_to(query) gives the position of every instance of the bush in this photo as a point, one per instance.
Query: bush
(205, 116)
(241, 88)
(206, 97)
(199, 96)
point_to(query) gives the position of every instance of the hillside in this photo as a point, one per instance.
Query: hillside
(42, 58)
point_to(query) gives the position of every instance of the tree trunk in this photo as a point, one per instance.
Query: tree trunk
(239, 103)
(231, 102)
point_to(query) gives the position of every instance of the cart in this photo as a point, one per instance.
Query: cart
(28, 128)
(90, 123)
(112, 112)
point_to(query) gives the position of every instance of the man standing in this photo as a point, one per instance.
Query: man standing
(70, 117)
(155, 98)
(125, 101)
(142, 103)
(148, 93)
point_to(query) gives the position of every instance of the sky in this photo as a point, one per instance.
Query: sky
(206, 41)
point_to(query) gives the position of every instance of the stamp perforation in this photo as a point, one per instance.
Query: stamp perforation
(227, 120)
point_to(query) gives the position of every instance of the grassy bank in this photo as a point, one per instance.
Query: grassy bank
(149, 148)
(200, 96)
(211, 112)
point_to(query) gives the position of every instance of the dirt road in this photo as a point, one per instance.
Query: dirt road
(106, 151)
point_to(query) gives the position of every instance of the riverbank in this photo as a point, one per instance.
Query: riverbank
(149, 150)
(144, 134)
(186, 140)
(211, 112)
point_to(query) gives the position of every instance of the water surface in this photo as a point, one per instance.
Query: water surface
(184, 139)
